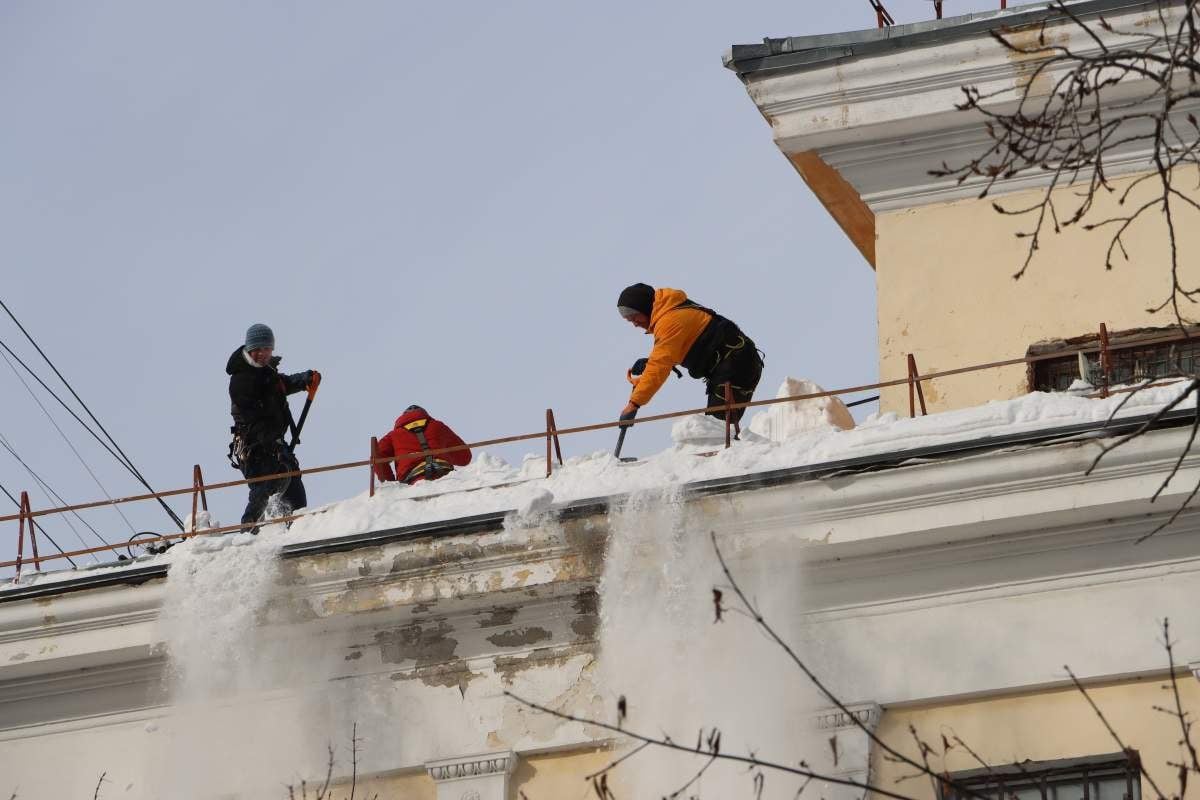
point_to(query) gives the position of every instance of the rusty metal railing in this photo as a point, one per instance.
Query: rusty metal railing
(552, 433)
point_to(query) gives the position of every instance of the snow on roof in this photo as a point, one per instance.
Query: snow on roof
(491, 485)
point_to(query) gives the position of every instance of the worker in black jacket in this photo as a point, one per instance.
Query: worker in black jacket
(261, 417)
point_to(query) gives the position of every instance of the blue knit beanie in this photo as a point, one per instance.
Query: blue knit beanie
(259, 336)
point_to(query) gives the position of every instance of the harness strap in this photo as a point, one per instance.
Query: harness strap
(417, 428)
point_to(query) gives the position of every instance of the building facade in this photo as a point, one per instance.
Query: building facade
(940, 592)
(865, 118)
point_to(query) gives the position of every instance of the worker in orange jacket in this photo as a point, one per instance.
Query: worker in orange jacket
(687, 334)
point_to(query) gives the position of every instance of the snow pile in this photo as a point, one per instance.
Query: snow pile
(678, 671)
(495, 488)
(782, 421)
(704, 432)
(204, 521)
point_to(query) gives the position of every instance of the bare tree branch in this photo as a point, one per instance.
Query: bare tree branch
(1072, 129)
(1129, 751)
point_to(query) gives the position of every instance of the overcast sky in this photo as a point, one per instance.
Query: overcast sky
(431, 203)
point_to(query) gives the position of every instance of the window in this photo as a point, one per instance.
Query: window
(1132, 362)
(1109, 777)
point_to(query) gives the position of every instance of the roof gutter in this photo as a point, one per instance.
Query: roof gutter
(804, 52)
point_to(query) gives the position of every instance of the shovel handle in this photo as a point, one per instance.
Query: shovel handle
(620, 443)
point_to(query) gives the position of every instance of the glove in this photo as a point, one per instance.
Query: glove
(627, 416)
(313, 380)
(639, 367)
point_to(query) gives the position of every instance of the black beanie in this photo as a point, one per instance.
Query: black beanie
(639, 297)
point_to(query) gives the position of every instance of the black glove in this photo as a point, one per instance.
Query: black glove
(639, 367)
(628, 417)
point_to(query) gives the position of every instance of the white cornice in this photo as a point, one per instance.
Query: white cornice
(884, 120)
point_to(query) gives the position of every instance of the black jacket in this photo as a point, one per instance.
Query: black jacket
(258, 398)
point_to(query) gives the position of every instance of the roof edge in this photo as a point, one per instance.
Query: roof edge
(111, 576)
(800, 52)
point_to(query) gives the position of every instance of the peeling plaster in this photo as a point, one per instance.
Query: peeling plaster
(455, 674)
(424, 643)
(498, 616)
(587, 606)
(519, 637)
(508, 667)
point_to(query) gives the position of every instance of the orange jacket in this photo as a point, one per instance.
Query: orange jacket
(675, 330)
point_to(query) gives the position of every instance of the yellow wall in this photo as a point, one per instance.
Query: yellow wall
(1043, 726)
(947, 295)
(558, 776)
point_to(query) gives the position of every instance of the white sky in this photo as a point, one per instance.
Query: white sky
(431, 203)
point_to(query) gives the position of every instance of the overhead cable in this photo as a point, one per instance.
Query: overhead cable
(122, 461)
(67, 439)
(34, 523)
(52, 495)
(79, 399)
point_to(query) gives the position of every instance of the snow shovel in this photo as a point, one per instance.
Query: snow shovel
(312, 392)
(621, 442)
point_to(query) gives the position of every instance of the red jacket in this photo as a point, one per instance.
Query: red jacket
(403, 445)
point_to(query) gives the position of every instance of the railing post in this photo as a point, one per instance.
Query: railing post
(371, 466)
(26, 515)
(915, 392)
(1105, 360)
(728, 411)
(198, 493)
(552, 435)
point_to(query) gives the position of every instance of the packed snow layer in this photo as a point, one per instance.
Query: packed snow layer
(783, 421)
(490, 484)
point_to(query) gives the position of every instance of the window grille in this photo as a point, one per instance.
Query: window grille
(1107, 777)
(1130, 363)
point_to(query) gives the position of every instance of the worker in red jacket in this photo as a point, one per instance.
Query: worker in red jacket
(417, 432)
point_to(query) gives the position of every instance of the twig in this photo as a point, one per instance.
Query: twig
(1115, 737)
(666, 742)
(887, 749)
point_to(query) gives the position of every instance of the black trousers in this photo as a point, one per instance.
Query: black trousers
(742, 367)
(268, 460)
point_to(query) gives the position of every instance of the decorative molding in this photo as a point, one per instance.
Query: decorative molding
(835, 719)
(452, 769)
(475, 777)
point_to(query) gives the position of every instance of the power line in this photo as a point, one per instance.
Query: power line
(120, 459)
(70, 444)
(40, 528)
(79, 399)
(48, 490)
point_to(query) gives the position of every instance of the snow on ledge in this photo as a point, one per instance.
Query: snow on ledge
(491, 485)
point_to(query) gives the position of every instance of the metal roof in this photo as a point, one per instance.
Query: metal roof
(806, 52)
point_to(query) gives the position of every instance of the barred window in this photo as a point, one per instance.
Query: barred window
(1130, 361)
(1106, 777)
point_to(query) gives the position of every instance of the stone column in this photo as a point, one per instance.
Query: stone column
(477, 777)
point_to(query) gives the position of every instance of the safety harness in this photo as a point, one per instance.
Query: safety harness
(430, 468)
